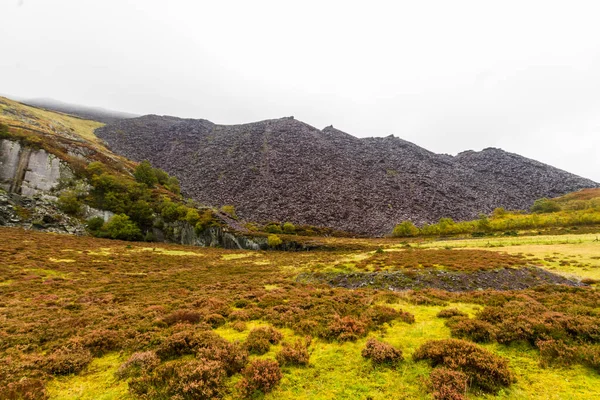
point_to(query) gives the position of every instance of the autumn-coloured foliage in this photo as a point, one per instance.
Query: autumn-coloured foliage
(260, 375)
(382, 353)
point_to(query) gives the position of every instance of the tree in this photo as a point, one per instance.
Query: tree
(405, 229)
(121, 227)
(144, 173)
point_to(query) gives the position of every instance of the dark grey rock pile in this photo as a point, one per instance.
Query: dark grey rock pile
(286, 170)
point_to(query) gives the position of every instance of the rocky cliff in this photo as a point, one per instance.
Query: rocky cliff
(286, 170)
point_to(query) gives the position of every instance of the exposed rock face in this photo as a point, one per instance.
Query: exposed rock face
(27, 171)
(286, 170)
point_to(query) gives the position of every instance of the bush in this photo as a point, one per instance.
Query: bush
(451, 312)
(447, 384)
(101, 341)
(183, 316)
(183, 343)
(382, 353)
(556, 352)
(274, 241)
(273, 228)
(138, 364)
(484, 369)
(229, 210)
(215, 320)
(239, 326)
(476, 330)
(24, 389)
(260, 375)
(289, 228)
(295, 353)
(144, 173)
(69, 202)
(122, 228)
(94, 224)
(67, 360)
(3, 131)
(379, 315)
(405, 229)
(193, 379)
(545, 205)
(232, 357)
(345, 329)
(260, 339)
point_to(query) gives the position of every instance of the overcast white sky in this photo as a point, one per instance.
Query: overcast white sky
(446, 75)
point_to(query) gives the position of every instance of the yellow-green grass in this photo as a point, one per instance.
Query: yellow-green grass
(338, 371)
(49, 121)
(98, 382)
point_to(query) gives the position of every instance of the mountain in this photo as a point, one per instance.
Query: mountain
(286, 170)
(90, 113)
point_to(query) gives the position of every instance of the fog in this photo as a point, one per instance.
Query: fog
(446, 75)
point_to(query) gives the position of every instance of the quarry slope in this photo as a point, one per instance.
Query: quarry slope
(286, 170)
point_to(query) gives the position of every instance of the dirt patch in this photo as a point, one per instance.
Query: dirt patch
(498, 279)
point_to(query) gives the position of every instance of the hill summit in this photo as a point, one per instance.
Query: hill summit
(287, 170)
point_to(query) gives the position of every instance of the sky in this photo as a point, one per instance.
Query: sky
(447, 75)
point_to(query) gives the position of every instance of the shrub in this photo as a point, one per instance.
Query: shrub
(24, 389)
(193, 379)
(239, 315)
(231, 356)
(273, 228)
(101, 341)
(451, 312)
(144, 173)
(69, 202)
(382, 353)
(260, 339)
(405, 229)
(121, 227)
(289, 228)
(260, 375)
(485, 370)
(183, 316)
(476, 330)
(239, 326)
(138, 364)
(274, 241)
(545, 205)
(229, 210)
(215, 320)
(184, 342)
(447, 384)
(295, 353)
(67, 360)
(94, 224)
(556, 352)
(3, 130)
(345, 329)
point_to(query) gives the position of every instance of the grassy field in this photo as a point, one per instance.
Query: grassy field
(100, 301)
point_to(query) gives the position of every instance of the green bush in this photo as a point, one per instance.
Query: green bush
(4, 131)
(289, 228)
(69, 202)
(144, 173)
(273, 228)
(94, 224)
(274, 241)
(229, 210)
(122, 228)
(405, 229)
(545, 205)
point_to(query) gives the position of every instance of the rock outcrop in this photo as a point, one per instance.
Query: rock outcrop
(286, 170)
(28, 171)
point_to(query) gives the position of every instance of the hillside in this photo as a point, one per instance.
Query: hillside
(286, 170)
(92, 113)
